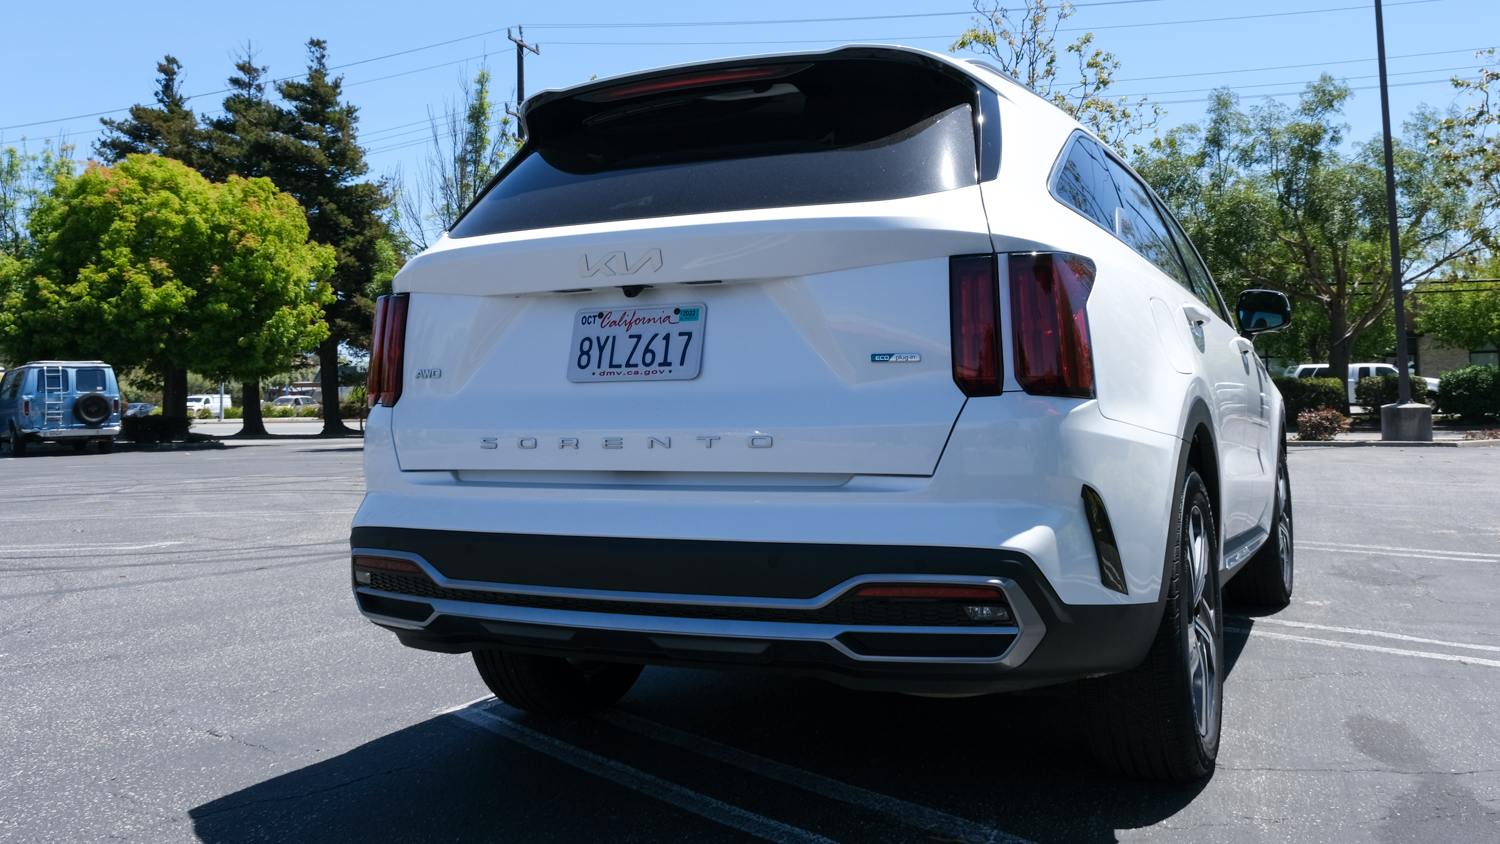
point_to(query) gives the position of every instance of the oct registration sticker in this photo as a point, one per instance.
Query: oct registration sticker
(637, 344)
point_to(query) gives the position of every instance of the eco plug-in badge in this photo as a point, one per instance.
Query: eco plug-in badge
(896, 357)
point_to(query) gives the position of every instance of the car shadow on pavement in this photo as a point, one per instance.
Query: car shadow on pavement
(1017, 763)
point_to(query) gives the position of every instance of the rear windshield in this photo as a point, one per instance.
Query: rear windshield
(89, 380)
(810, 133)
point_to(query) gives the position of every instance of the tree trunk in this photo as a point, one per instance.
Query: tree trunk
(328, 359)
(174, 391)
(252, 423)
(1339, 347)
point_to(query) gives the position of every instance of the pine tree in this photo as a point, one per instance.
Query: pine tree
(170, 131)
(319, 160)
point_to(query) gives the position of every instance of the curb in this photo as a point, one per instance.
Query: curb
(121, 445)
(1395, 444)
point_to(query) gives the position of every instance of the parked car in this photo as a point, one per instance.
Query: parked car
(963, 426)
(209, 402)
(75, 401)
(294, 401)
(1421, 385)
(139, 408)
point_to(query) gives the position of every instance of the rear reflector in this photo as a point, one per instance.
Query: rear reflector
(387, 564)
(974, 318)
(1111, 569)
(969, 593)
(1048, 291)
(387, 344)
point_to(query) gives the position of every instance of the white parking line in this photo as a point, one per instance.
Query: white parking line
(921, 817)
(634, 778)
(1355, 646)
(1388, 551)
(100, 546)
(1361, 632)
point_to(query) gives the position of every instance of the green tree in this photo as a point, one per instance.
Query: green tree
(247, 141)
(1463, 315)
(1025, 47)
(319, 161)
(471, 141)
(170, 130)
(148, 264)
(1273, 198)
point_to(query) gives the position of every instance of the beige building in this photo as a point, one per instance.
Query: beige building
(1433, 358)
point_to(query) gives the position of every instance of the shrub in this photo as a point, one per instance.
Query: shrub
(234, 413)
(351, 409)
(154, 429)
(270, 411)
(1321, 424)
(1380, 390)
(1472, 392)
(1491, 434)
(1302, 394)
(204, 413)
(308, 412)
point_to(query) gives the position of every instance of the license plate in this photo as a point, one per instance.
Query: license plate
(637, 344)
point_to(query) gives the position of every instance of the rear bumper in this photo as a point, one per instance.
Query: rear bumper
(754, 606)
(72, 433)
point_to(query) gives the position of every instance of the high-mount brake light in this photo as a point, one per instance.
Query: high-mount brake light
(1053, 353)
(971, 593)
(692, 80)
(387, 344)
(974, 319)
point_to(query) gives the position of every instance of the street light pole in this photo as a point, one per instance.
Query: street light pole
(1403, 420)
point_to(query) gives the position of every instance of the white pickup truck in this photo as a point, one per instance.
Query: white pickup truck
(1362, 370)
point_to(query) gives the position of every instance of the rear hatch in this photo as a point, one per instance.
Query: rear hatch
(724, 269)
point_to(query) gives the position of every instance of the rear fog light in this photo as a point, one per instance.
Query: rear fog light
(993, 608)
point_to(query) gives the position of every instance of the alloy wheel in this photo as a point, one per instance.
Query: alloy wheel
(1202, 645)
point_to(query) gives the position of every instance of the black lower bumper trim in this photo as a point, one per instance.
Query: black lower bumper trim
(1080, 640)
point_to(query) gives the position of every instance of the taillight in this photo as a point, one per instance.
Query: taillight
(26, 407)
(929, 591)
(974, 314)
(387, 342)
(117, 405)
(1048, 291)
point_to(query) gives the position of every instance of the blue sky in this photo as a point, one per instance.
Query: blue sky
(57, 67)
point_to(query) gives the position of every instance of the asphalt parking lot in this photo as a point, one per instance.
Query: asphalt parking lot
(181, 660)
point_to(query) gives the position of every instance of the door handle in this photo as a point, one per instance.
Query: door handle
(1196, 313)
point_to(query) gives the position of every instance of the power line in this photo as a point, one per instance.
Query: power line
(1299, 93)
(1295, 66)
(1293, 82)
(746, 23)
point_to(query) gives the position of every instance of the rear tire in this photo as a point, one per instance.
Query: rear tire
(1161, 720)
(1266, 581)
(17, 443)
(550, 685)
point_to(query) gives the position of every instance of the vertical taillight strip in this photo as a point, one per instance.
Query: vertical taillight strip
(388, 342)
(974, 319)
(1049, 326)
(374, 380)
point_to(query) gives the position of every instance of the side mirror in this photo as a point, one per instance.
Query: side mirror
(1263, 311)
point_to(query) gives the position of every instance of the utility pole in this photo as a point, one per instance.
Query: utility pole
(521, 48)
(1403, 420)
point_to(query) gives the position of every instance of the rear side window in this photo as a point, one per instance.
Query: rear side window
(89, 380)
(10, 385)
(762, 136)
(1099, 188)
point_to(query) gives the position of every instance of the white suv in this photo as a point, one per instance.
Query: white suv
(972, 416)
